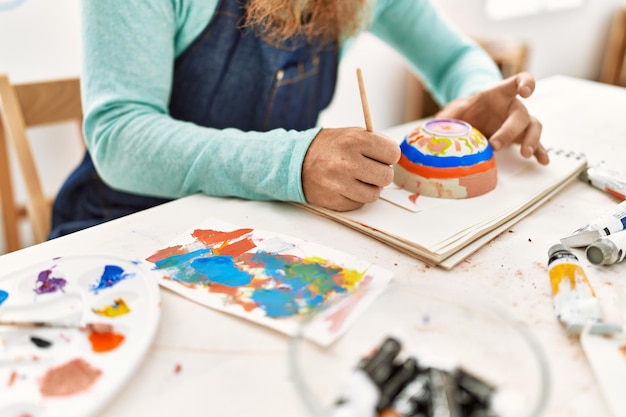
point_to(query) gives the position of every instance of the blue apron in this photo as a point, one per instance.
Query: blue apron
(227, 78)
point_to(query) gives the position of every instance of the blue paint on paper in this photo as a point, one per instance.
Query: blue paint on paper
(10, 4)
(3, 296)
(222, 270)
(276, 303)
(176, 261)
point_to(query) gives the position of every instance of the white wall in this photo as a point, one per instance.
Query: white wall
(568, 42)
(41, 39)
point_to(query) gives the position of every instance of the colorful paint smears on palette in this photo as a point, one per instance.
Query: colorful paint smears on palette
(112, 308)
(266, 277)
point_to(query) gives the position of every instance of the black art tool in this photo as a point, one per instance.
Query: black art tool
(443, 391)
(385, 386)
(362, 391)
(404, 374)
(91, 327)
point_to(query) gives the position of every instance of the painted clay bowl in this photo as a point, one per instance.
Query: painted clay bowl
(446, 158)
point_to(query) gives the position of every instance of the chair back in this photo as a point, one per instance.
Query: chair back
(613, 68)
(509, 55)
(23, 106)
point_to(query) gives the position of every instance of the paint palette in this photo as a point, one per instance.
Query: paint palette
(443, 331)
(71, 369)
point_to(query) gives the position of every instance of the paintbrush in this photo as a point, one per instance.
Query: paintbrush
(364, 103)
(90, 327)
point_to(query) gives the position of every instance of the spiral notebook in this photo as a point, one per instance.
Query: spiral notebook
(444, 232)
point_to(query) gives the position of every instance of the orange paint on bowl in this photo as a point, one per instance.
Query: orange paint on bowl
(452, 172)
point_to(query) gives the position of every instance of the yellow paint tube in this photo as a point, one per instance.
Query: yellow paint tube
(575, 302)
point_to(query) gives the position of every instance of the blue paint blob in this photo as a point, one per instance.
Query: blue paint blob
(276, 303)
(3, 296)
(111, 276)
(11, 4)
(417, 157)
(222, 270)
(178, 261)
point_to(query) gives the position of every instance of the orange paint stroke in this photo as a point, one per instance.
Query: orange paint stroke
(233, 293)
(223, 289)
(212, 237)
(236, 248)
(166, 253)
(12, 379)
(616, 194)
(415, 136)
(105, 342)
(452, 172)
(622, 350)
(413, 198)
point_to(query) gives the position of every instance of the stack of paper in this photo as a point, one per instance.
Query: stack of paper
(445, 231)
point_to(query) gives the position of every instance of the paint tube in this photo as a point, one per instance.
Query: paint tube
(575, 302)
(362, 391)
(607, 250)
(612, 221)
(606, 179)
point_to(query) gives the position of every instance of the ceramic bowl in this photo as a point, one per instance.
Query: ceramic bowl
(446, 158)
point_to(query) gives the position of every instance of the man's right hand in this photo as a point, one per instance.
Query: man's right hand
(346, 168)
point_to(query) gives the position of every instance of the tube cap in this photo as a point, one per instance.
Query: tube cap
(602, 252)
(559, 247)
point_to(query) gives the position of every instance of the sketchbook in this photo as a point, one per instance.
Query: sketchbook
(444, 232)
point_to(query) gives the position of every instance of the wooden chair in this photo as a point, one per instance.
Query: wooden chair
(23, 106)
(510, 56)
(613, 68)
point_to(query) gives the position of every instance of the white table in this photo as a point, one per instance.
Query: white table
(205, 362)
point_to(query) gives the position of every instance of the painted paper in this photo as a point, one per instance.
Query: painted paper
(268, 278)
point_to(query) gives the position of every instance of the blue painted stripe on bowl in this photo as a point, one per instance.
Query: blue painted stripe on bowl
(415, 156)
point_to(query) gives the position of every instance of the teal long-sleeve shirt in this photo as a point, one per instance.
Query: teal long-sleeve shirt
(129, 49)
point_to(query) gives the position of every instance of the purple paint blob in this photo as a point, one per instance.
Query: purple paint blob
(3, 296)
(111, 276)
(46, 284)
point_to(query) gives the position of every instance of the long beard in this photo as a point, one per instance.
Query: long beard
(321, 21)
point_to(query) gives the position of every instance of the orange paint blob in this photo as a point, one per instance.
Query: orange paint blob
(622, 350)
(105, 342)
(166, 253)
(212, 237)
